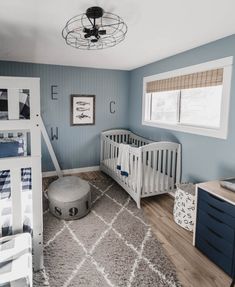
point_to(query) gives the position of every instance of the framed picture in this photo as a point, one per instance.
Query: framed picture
(82, 110)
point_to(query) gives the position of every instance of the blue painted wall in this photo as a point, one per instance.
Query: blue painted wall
(204, 158)
(77, 146)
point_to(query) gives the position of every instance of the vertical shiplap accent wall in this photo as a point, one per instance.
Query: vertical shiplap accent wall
(78, 146)
(203, 158)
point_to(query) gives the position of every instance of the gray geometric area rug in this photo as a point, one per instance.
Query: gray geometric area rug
(112, 246)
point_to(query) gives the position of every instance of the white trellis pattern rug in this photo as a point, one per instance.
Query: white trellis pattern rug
(112, 246)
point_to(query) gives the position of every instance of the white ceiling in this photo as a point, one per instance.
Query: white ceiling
(30, 30)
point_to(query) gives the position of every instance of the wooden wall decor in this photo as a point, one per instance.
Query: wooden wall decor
(82, 110)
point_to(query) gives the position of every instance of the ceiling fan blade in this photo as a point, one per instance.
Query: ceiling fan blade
(86, 30)
(94, 40)
(102, 32)
(108, 25)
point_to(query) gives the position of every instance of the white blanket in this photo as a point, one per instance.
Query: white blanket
(123, 163)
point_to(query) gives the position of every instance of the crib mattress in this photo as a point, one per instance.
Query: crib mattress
(148, 183)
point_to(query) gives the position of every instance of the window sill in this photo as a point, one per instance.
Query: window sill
(210, 132)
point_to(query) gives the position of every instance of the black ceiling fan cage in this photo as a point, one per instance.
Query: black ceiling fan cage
(94, 30)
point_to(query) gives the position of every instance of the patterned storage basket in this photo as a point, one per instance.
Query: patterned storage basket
(184, 206)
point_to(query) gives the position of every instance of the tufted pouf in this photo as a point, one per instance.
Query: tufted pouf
(69, 197)
(184, 206)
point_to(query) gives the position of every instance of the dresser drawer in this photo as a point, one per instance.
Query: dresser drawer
(223, 230)
(216, 202)
(214, 254)
(218, 241)
(218, 214)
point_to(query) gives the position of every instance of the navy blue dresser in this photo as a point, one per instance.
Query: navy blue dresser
(214, 233)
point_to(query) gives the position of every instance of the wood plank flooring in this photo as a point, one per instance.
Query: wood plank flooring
(193, 268)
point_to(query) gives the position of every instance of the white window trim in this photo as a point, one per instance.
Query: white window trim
(221, 132)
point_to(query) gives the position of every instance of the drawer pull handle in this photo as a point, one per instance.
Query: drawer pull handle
(215, 197)
(215, 233)
(218, 220)
(211, 245)
(216, 208)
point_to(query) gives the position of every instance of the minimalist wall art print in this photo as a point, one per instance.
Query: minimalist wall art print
(82, 110)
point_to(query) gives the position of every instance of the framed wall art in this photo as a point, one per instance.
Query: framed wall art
(82, 110)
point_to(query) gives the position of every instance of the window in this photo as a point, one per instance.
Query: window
(194, 99)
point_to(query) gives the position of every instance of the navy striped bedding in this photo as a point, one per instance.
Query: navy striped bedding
(23, 104)
(5, 182)
(5, 195)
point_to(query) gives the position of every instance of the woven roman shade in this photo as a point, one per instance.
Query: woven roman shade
(195, 80)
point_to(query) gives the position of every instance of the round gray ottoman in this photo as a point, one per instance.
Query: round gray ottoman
(69, 197)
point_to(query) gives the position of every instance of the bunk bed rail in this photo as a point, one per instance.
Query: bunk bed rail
(12, 125)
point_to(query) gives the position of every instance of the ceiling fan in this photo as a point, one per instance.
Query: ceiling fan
(95, 29)
(92, 14)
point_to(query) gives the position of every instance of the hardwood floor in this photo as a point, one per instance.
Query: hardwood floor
(193, 268)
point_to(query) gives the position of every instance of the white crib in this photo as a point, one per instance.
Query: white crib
(155, 167)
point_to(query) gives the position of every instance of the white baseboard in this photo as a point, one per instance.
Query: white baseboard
(172, 193)
(71, 171)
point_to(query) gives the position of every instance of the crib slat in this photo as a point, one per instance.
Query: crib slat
(17, 223)
(149, 170)
(102, 149)
(106, 153)
(153, 175)
(115, 158)
(159, 170)
(135, 162)
(173, 166)
(168, 168)
(164, 171)
(106, 150)
(117, 153)
(109, 155)
(108, 158)
(145, 183)
(131, 171)
(112, 156)
(178, 167)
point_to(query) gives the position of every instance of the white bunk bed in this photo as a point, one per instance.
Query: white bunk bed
(154, 167)
(29, 163)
